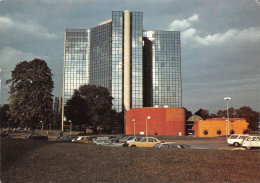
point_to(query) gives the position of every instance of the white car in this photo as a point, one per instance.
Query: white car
(133, 139)
(81, 138)
(236, 139)
(252, 141)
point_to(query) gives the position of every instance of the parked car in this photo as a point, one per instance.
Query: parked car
(108, 142)
(4, 134)
(144, 142)
(17, 131)
(251, 141)
(133, 139)
(83, 139)
(64, 138)
(8, 131)
(122, 140)
(30, 135)
(99, 141)
(176, 146)
(25, 131)
(36, 137)
(236, 139)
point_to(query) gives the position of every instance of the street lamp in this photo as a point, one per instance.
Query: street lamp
(148, 117)
(42, 128)
(134, 125)
(227, 99)
(70, 126)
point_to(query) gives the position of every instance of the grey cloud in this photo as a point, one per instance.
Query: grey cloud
(211, 68)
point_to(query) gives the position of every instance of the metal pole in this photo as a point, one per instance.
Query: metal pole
(42, 128)
(228, 117)
(148, 117)
(70, 126)
(134, 126)
(227, 126)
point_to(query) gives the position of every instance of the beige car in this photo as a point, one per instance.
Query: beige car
(144, 142)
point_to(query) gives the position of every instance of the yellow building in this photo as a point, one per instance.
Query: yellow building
(219, 126)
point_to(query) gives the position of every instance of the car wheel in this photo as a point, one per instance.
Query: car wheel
(236, 144)
(248, 148)
(133, 145)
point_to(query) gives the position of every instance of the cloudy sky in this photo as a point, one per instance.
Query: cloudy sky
(220, 42)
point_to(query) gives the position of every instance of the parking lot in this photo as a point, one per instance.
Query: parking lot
(212, 143)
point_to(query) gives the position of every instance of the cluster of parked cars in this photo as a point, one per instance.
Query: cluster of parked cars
(15, 130)
(127, 141)
(246, 141)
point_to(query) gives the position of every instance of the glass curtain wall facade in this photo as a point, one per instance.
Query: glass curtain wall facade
(137, 60)
(117, 59)
(162, 59)
(75, 63)
(99, 63)
(96, 56)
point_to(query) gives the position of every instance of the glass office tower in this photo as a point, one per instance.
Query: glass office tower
(75, 71)
(162, 63)
(139, 68)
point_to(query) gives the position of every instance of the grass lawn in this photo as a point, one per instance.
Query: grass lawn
(39, 161)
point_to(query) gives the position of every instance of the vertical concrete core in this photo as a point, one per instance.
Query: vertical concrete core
(127, 54)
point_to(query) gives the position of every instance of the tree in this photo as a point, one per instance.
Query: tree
(252, 117)
(188, 114)
(56, 113)
(6, 122)
(203, 113)
(76, 109)
(90, 105)
(31, 88)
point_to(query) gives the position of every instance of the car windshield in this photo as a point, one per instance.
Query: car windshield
(233, 136)
(131, 138)
(165, 146)
(157, 145)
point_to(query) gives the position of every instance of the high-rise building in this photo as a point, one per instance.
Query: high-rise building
(139, 68)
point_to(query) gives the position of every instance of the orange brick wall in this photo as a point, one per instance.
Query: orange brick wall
(163, 121)
(238, 125)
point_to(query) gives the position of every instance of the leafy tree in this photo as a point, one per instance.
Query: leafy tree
(188, 114)
(76, 109)
(223, 114)
(30, 98)
(90, 105)
(6, 122)
(252, 117)
(56, 113)
(203, 113)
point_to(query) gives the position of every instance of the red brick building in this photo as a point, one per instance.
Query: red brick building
(163, 121)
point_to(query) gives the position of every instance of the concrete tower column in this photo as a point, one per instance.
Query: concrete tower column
(127, 61)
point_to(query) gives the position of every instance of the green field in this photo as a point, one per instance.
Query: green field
(39, 161)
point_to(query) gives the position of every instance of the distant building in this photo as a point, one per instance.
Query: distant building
(215, 127)
(139, 68)
(160, 121)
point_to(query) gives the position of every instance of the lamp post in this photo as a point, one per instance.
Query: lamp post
(227, 99)
(42, 128)
(134, 125)
(148, 117)
(70, 126)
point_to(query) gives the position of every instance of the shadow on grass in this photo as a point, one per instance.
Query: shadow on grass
(13, 149)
